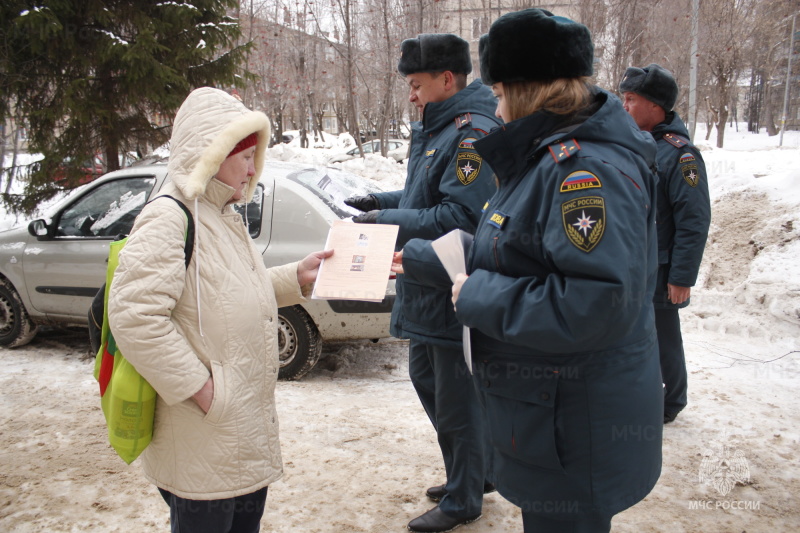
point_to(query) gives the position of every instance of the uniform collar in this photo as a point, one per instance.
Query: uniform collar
(530, 135)
(437, 115)
(672, 124)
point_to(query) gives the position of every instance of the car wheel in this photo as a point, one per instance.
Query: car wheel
(16, 327)
(299, 343)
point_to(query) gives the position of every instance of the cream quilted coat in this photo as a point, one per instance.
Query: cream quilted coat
(177, 326)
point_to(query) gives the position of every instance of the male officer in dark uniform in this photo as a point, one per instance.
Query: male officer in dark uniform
(683, 215)
(446, 187)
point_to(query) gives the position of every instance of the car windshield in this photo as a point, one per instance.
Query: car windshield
(333, 186)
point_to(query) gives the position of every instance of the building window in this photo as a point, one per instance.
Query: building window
(480, 26)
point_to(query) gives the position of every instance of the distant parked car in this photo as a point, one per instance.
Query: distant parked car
(397, 150)
(93, 168)
(50, 270)
(87, 171)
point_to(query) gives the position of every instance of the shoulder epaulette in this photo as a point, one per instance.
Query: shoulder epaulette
(675, 140)
(463, 120)
(561, 151)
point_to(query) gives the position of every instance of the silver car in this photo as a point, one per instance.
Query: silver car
(51, 270)
(396, 149)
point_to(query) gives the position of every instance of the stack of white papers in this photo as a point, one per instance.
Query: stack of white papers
(452, 252)
(361, 263)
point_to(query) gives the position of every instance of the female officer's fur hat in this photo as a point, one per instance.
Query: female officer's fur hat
(653, 82)
(535, 45)
(434, 52)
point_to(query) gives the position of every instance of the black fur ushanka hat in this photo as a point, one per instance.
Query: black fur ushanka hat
(653, 82)
(535, 45)
(434, 52)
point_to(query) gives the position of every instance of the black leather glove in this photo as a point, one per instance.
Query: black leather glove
(370, 217)
(363, 203)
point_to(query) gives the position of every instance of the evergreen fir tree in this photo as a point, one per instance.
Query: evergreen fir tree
(104, 77)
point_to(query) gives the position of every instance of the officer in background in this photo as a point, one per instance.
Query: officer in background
(446, 186)
(683, 215)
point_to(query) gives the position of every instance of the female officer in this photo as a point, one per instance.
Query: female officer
(562, 274)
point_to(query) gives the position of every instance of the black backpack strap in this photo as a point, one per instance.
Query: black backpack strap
(97, 309)
(188, 248)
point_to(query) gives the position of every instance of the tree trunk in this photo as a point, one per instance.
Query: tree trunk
(389, 83)
(109, 132)
(13, 169)
(755, 101)
(314, 128)
(769, 112)
(723, 118)
(711, 118)
(341, 117)
(3, 148)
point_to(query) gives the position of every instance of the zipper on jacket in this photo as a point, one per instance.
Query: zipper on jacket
(496, 256)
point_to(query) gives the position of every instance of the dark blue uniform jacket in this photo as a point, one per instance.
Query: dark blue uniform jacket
(683, 211)
(446, 186)
(562, 273)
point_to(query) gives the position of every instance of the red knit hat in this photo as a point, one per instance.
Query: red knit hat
(244, 144)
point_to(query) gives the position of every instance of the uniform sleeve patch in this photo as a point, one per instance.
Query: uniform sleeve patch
(690, 174)
(467, 143)
(565, 150)
(468, 166)
(581, 179)
(584, 221)
(686, 158)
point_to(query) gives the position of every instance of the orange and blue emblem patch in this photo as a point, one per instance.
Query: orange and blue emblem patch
(468, 162)
(579, 180)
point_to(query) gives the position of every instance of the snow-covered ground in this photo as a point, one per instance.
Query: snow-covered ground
(359, 450)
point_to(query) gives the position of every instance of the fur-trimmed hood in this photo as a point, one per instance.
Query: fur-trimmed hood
(208, 125)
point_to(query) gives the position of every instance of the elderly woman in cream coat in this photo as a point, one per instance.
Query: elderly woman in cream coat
(205, 336)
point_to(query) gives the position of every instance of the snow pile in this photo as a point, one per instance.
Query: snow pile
(751, 259)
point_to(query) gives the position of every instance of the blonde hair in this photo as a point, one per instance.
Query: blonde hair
(563, 96)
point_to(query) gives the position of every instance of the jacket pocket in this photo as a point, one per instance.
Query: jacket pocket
(521, 412)
(217, 409)
(425, 310)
